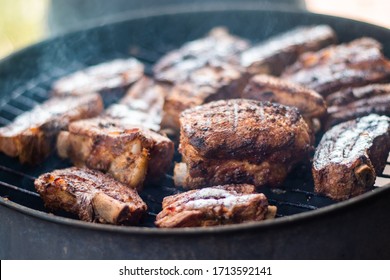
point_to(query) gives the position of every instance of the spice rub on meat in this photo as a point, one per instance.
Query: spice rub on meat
(90, 194)
(32, 135)
(273, 55)
(218, 45)
(334, 68)
(126, 152)
(268, 88)
(350, 155)
(220, 205)
(103, 78)
(240, 141)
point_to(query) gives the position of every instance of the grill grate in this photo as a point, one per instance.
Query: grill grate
(16, 180)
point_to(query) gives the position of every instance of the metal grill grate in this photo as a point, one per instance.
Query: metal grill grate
(16, 180)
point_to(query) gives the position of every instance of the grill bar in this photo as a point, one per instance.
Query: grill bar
(30, 193)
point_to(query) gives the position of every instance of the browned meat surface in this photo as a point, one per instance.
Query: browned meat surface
(218, 45)
(214, 81)
(349, 95)
(127, 152)
(32, 135)
(378, 104)
(228, 204)
(142, 105)
(357, 63)
(275, 54)
(350, 155)
(240, 141)
(273, 89)
(102, 78)
(92, 195)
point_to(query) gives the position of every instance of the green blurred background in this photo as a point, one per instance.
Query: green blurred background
(21, 23)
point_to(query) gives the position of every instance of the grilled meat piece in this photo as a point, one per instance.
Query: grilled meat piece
(268, 88)
(126, 152)
(214, 81)
(350, 155)
(334, 68)
(378, 105)
(275, 54)
(142, 105)
(240, 141)
(32, 135)
(349, 95)
(221, 205)
(90, 194)
(103, 78)
(219, 45)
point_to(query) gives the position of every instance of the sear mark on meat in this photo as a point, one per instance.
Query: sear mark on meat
(350, 155)
(240, 141)
(32, 135)
(276, 53)
(220, 205)
(92, 195)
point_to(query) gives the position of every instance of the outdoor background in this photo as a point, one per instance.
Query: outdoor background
(23, 22)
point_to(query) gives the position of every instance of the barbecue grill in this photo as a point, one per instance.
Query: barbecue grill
(308, 225)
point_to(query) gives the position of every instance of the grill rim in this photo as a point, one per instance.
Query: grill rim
(262, 225)
(269, 224)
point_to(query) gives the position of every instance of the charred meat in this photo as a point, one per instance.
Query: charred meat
(275, 54)
(90, 194)
(240, 141)
(228, 204)
(126, 152)
(212, 82)
(375, 105)
(350, 155)
(32, 135)
(103, 78)
(334, 68)
(142, 105)
(349, 95)
(268, 88)
(219, 45)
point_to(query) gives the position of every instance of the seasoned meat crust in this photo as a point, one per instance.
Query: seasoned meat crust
(334, 68)
(218, 45)
(240, 141)
(212, 82)
(32, 135)
(220, 205)
(350, 155)
(142, 105)
(92, 195)
(102, 78)
(273, 55)
(126, 152)
(273, 89)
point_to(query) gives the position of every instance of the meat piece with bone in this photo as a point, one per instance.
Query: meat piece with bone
(127, 152)
(32, 135)
(240, 141)
(103, 78)
(90, 194)
(334, 68)
(268, 88)
(142, 105)
(350, 155)
(218, 45)
(220, 205)
(273, 55)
